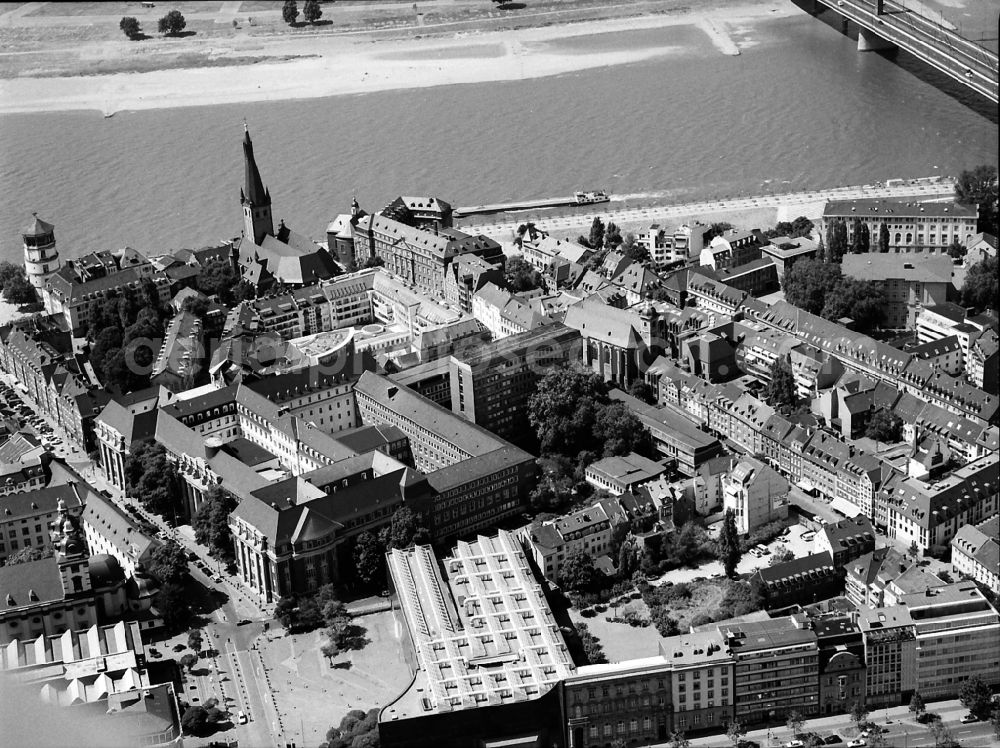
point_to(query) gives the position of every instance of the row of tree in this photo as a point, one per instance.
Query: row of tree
(311, 11)
(172, 24)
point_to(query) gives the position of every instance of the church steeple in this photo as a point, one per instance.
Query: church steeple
(71, 551)
(254, 197)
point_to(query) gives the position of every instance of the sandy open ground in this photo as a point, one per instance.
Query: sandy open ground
(352, 63)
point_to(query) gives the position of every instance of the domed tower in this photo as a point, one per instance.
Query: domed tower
(255, 199)
(72, 553)
(41, 259)
(141, 589)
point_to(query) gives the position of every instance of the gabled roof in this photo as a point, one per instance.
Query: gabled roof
(29, 584)
(605, 323)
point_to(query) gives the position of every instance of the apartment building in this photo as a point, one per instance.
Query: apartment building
(492, 383)
(618, 475)
(415, 251)
(755, 493)
(775, 666)
(841, 663)
(846, 540)
(958, 636)
(23, 464)
(975, 552)
(907, 286)
(550, 542)
(914, 228)
(931, 513)
(800, 581)
(890, 644)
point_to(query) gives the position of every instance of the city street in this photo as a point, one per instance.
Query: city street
(903, 731)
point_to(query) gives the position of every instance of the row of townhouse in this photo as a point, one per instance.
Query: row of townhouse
(820, 461)
(874, 359)
(58, 383)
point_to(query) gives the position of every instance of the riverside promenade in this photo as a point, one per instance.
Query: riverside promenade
(786, 206)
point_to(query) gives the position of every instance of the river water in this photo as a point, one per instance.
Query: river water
(799, 109)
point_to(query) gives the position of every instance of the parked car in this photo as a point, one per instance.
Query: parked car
(857, 743)
(832, 739)
(796, 743)
(970, 717)
(241, 718)
(747, 744)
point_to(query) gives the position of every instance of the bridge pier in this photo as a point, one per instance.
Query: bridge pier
(869, 41)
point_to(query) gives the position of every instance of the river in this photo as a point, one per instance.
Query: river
(800, 108)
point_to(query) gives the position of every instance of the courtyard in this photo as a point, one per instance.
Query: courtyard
(312, 694)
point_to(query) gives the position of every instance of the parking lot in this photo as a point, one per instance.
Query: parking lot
(798, 540)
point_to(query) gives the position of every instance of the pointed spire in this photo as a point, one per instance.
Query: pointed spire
(254, 191)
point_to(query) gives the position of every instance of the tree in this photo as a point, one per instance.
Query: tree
(628, 561)
(211, 523)
(591, 646)
(807, 283)
(330, 650)
(357, 730)
(976, 696)
(980, 287)
(578, 573)
(633, 250)
(130, 27)
(158, 488)
(883, 238)
(168, 563)
(596, 239)
(9, 271)
(836, 240)
(859, 714)
(369, 559)
(290, 11)
(195, 640)
(404, 530)
(885, 426)
(677, 740)
(521, 275)
(217, 278)
(956, 250)
(173, 603)
(729, 547)
(18, 290)
(780, 556)
(612, 236)
(620, 431)
(172, 24)
(795, 722)
(27, 555)
(286, 612)
(194, 720)
(735, 732)
(642, 390)
(717, 229)
(562, 409)
(780, 391)
(188, 661)
(862, 237)
(862, 301)
(978, 186)
(311, 11)
(917, 704)
(941, 734)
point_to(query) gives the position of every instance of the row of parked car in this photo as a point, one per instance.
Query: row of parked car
(14, 407)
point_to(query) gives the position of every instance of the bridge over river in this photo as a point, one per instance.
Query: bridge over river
(884, 24)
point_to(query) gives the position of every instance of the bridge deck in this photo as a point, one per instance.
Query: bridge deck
(942, 48)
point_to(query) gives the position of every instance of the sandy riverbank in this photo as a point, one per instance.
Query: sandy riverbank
(352, 64)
